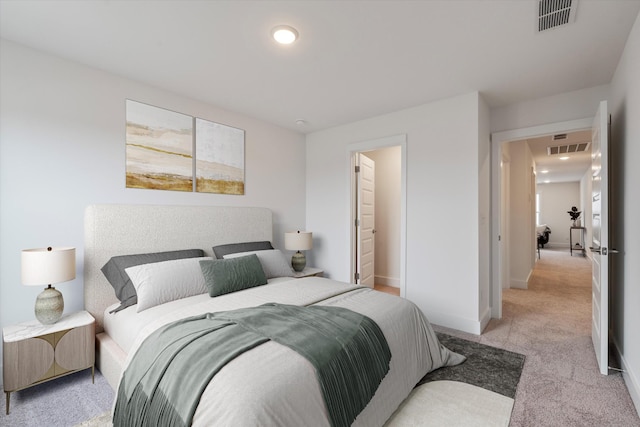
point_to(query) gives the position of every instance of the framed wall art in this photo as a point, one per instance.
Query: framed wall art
(219, 158)
(166, 150)
(159, 148)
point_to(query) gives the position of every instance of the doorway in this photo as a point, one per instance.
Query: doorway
(387, 233)
(499, 246)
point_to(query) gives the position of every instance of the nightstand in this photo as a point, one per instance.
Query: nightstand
(308, 272)
(33, 353)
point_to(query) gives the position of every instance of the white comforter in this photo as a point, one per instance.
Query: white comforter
(273, 385)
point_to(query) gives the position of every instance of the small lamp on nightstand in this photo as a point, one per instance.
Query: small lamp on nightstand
(298, 241)
(45, 266)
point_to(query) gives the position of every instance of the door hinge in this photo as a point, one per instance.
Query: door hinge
(357, 222)
(357, 169)
(356, 276)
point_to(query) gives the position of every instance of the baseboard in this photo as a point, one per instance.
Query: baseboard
(387, 281)
(465, 325)
(556, 245)
(520, 284)
(630, 379)
(485, 318)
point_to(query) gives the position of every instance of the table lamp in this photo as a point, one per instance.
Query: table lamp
(298, 241)
(45, 266)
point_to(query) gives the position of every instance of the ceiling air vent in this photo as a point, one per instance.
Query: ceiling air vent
(569, 148)
(554, 13)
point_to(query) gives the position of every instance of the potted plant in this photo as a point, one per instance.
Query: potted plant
(574, 213)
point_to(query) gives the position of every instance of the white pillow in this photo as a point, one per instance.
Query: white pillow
(273, 262)
(160, 282)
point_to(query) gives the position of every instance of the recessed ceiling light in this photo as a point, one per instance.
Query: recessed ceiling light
(301, 122)
(564, 158)
(547, 181)
(284, 34)
(544, 171)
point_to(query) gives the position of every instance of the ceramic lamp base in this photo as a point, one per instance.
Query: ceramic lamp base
(298, 261)
(49, 306)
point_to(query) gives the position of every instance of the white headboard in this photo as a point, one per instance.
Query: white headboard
(111, 230)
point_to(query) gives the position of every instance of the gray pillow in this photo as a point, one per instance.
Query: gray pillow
(223, 276)
(221, 250)
(273, 262)
(114, 271)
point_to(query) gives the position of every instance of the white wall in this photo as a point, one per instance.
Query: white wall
(62, 148)
(442, 203)
(387, 238)
(556, 200)
(625, 177)
(553, 109)
(522, 241)
(484, 212)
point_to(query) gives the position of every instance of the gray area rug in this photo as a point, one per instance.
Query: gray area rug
(488, 367)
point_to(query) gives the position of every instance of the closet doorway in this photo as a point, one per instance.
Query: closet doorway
(378, 213)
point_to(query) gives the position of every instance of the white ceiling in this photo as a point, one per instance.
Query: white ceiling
(558, 170)
(353, 60)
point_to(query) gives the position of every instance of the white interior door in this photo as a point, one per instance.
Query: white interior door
(600, 237)
(366, 220)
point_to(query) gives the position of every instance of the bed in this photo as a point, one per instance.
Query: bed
(270, 384)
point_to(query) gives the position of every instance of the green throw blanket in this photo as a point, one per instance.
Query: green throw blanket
(164, 381)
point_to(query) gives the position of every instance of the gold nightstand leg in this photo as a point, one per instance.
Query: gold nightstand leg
(8, 393)
(93, 378)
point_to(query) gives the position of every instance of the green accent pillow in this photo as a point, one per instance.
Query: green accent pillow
(223, 276)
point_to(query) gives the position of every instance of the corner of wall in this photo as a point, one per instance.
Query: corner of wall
(485, 318)
(521, 283)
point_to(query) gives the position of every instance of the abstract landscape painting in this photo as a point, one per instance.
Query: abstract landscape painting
(159, 148)
(219, 158)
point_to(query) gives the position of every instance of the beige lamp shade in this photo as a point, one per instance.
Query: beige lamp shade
(46, 266)
(298, 240)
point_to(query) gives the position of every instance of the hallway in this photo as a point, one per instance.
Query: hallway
(550, 323)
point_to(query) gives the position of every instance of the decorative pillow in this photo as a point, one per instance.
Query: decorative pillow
(224, 276)
(273, 262)
(221, 250)
(160, 282)
(114, 271)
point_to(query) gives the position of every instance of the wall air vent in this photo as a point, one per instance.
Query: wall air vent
(554, 13)
(559, 136)
(569, 148)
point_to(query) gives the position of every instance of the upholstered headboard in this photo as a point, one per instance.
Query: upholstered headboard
(111, 230)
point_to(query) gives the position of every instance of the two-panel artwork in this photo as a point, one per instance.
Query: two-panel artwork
(173, 151)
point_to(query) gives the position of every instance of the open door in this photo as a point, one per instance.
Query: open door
(600, 237)
(365, 220)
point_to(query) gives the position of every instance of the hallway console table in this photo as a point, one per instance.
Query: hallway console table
(579, 246)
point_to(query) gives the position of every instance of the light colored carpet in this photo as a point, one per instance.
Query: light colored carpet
(62, 402)
(452, 403)
(550, 323)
